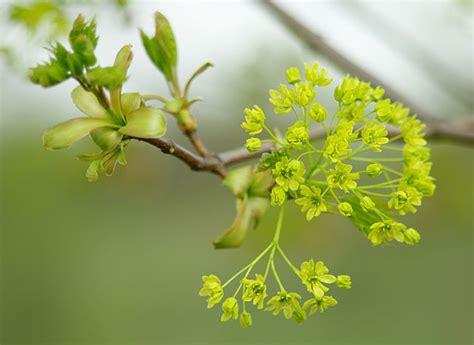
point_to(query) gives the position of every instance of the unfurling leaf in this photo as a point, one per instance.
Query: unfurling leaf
(49, 74)
(110, 77)
(161, 48)
(83, 40)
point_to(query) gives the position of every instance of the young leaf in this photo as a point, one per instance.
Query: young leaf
(110, 77)
(161, 48)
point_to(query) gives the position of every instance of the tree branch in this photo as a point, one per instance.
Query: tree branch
(316, 42)
(460, 132)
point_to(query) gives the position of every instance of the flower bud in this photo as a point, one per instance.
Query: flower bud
(343, 281)
(293, 75)
(278, 196)
(245, 319)
(412, 236)
(253, 144)
(374, 170)
(345, 209)
(230, 309)
(383, 110)
(367, 203)
(318, 113)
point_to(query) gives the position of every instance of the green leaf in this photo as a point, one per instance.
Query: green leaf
(249, 211)
(110, 77)
(88, 104)
(145, 122)
(49, 74)
(83, 40)
(67, 133)
(161, 48)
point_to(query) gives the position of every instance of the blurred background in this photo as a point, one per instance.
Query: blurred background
(120, 261)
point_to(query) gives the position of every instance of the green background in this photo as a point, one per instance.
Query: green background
(120, 261)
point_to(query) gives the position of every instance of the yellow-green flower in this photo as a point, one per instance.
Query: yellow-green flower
(289, 174)
(344, 281)
(412, 236)
(293, 75)
(245, 319)
(345, 209)
(319, 303)
(312, 201)
(374, 170)
(374, 135)
(253, 144)
(314, 276)
(405, 200)
(297, 135)
(386, 231)
(278, 196)
(230, 309)
(342, 177)
(213, 289)
(282, 100)
(304, 94)
(254, 120)
(318, 113)
(255, 290)
(288, 303)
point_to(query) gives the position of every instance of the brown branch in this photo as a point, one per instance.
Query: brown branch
(316, 42)
(459, 132)
(210, 164)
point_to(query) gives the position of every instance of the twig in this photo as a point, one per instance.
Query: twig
(460, 132)
(210, 164)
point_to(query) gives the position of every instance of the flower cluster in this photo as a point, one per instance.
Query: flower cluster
(314, 276)
(359, 171)
(346, 175)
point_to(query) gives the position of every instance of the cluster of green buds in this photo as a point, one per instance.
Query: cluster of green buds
(315, 277)
(113, 118)
(358, 171)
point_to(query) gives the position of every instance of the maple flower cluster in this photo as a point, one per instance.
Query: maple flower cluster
(371, 167)
(359, 170)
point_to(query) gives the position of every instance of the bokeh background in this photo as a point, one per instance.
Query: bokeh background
(120, 261)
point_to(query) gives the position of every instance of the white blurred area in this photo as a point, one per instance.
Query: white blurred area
(423, 49)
